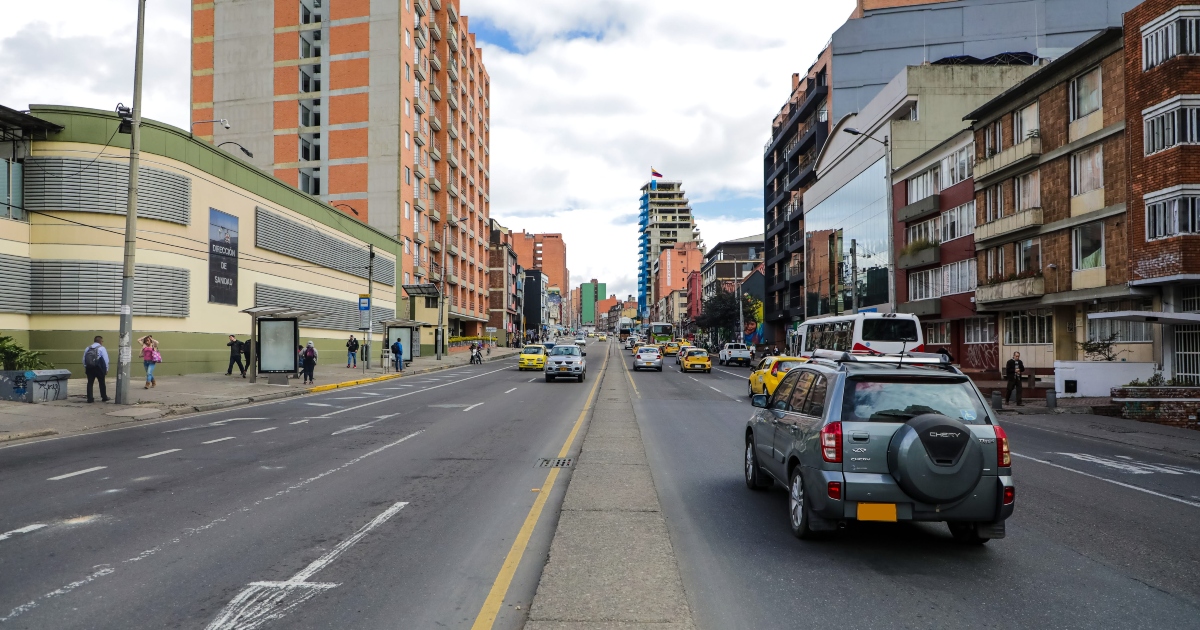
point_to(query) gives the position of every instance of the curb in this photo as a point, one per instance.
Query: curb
(29, 434)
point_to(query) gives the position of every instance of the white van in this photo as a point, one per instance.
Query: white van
(864, 333)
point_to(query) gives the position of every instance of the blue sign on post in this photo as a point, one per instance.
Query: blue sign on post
(364, 312)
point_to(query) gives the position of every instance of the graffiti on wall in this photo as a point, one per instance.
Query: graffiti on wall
(982, 356)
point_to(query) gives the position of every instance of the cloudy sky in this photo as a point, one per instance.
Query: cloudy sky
(587, 95)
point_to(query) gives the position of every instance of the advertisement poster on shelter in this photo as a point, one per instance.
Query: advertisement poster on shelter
(222, 257)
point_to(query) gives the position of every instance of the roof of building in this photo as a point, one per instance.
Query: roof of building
(11, 119)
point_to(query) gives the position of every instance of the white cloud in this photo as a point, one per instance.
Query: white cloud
(601, 91)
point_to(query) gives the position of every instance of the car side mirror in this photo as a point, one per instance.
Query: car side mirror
(583, 353)
(759, 400)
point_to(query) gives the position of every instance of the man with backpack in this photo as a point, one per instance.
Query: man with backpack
(398, 355)
(95, 365)
(235, 356)
(308, 361)
(352, 352)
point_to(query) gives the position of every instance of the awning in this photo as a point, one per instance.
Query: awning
(1153, 317)
(403, 323)
(281, 312)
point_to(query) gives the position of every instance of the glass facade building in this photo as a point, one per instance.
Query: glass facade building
(856, 214)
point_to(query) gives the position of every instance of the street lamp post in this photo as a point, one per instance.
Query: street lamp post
(124, 340)
(244, 149)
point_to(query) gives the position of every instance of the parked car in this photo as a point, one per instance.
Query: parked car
(648, 358)
(735, 353)
(566, 362)
(768, 372)
(863, 438)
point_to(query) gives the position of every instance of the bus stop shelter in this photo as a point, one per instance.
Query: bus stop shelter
(276, 331)
(408, 331)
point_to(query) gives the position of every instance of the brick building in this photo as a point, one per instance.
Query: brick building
(672, 267)
(1050, 197)
(504, 275)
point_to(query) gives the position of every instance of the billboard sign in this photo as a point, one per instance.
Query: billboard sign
(222, 257)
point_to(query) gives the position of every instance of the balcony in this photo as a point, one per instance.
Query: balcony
(434, 214)
(420, 204)
(419, 103)
(435, 245)
(453, 249)
(453, 72)
(434, 154)
(1016, 155)
(419, 236)
(452, 278)
(421, 271)
(419, 171)
(434, 60)
(922, 308)
(435, 31)
(452, 159)
(795, 273)
(1023, 288)
(451, 219)
(452, 13)
(435, 122)
(420, 138)
(435, 184)
(421, 70)
(1023, 221)
(920, 258)
(453, 130)
(920, 209)
(452, 38)
(435, 93)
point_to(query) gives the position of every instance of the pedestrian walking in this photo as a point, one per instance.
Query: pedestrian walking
(398, 355)
(308, 358)
(246, 353)
(235, 356)
(150, 359)
(95, 365)
(352, 352)
(1013, 371)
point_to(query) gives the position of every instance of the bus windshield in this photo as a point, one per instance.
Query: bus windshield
(661, 332)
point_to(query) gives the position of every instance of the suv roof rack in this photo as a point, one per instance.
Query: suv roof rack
(923, 359)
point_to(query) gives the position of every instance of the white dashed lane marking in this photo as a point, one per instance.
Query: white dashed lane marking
(22, 530)
(511, 390)
(472, 406)
(265, 430)
(174, 450)
(218, 440)
(77, 472)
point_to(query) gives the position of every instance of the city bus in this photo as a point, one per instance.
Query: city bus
(660, 332)
(863, 333)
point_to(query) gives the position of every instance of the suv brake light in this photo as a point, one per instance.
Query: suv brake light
(1003, 455)
(831, 442)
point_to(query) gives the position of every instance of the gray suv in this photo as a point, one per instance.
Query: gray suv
(882, 439)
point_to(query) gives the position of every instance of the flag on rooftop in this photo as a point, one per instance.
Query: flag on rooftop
(654, 173)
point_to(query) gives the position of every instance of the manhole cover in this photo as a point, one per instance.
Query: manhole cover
(558, 462)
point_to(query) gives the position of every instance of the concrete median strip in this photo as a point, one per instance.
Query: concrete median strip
(611, 562)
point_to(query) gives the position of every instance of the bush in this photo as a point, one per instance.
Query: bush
(918, 245)
(14, 357)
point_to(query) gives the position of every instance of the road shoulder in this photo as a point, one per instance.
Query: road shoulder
(611, 562)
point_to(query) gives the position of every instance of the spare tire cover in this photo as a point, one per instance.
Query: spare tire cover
(935, 459)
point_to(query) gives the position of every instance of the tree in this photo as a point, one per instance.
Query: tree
(720, 312)
(14, 357)
(1101, 349)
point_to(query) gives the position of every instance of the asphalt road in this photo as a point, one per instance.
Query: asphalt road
(1082, 551)
(392, 505)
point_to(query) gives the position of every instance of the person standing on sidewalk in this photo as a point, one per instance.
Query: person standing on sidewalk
(352, 352)
(308, 356)
(235, 356)
(398, 355)
(1013, 372)
(95, 365)
(150, 359)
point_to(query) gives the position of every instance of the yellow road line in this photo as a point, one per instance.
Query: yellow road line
(629, 374)
(495, 599)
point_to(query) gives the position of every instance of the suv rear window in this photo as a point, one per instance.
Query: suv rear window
(885, 399)
(889, 330)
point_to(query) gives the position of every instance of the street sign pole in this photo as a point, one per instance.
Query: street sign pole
(125, 338)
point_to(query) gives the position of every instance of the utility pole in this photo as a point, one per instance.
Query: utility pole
(439, 335)
(125, 352)
(740, 336)
(854, 274)
(370, 302)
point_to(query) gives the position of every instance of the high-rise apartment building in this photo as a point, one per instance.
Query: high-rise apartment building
(665, 220)
(589, 294)
(504, 275)
(379, 109)
(547, 252)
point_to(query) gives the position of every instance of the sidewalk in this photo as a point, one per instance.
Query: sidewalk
(192, 393)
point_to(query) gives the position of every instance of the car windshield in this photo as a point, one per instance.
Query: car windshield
(564, 351)
(647, 350)
(532, 350)
(697, 353)
(899, 399)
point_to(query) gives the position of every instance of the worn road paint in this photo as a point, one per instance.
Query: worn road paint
(472, 406)
(261, 602)
(715, 389)
(174, 450)
(511, 390)
(77, 472)
(356, 427)
(730, 373)
(1131, 465)
(217, 440)
(419, 391)
(318, 405)
(265, 430)
(1112, 481)
(22, 530)
(305, 421)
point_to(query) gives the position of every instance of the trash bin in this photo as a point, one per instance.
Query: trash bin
(34, 386)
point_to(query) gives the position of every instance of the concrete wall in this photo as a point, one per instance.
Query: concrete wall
(384, 148)
(243, 78)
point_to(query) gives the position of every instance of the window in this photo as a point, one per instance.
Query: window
(958, 277)
(408, 38)
(1029, 327)
(937, 333)
(995, 262)
(1125, 332)
(993, 136)
(796, 400)
(993, 199)
(407, 107)
(1087, 170)
(12, 195)
(1171, 123)
(407, 139)
(1174, 37)
(1029, 255)
(407, 209)
(924, 285)
(1028, 191)
(925, 230)
(1085, 94)
(815, 405)
(1089, 246)
(1025, 123)
(958, 222)
(407, 175)
(979, 330)
(957, 166)
(431, 302)
(923, 185)
(1175, 212)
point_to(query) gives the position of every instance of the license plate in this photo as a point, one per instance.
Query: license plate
(562, 369)
(877, 512)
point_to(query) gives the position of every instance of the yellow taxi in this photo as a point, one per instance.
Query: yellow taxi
(696, 359)
(634, 347)
(765, 376)
(671, 348)
(603, 337)
(532, 357)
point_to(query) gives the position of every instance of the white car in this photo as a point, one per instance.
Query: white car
(580, 341)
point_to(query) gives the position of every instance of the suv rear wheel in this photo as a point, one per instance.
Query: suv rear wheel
(755, 479)
(798, 516)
